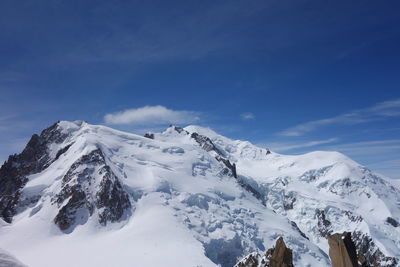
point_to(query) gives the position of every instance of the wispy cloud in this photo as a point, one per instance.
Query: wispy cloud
(282, 147)
(387, 164)
(247, 116)
(368, 148)
(389, 168)
(380, 155)
(381, 110)
(150, 116)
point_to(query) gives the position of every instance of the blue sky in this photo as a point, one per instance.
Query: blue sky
(295, 76)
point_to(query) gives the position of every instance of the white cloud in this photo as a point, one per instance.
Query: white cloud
(247, 116)
(368, 148)
(381, 155)
(281, 147)
(381, 110)
(151, 115)
(388, 164)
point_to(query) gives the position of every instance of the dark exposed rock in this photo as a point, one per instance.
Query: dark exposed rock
(111, 198)
(288, 202)
(33, 159)
(342, 250)
(392, 222)
(298, 230)
(350, 249)
(251, 260)
(352, 217)
(67, 215)
(179, 129)
(278, 256)
(252, 190)
(149, 135)
(373, 255)
(79, 188)
(231, 168)
(62, 151)
(205, 143)
(281, 256)
(324, 225)
(362, 260)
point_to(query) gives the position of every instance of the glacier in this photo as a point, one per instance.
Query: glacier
(88, 195)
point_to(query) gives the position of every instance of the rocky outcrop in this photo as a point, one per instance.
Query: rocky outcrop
(230, 168)
(324, 225)
(149, 135)
(33, 159)
(281, 256)
(112, 200)
(278, 256)
(342, 250)
(205, 143)
(392, 222)
(88, 185)
(357, 249)
(371, 253)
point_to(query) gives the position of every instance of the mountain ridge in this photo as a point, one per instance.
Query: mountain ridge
(227, 198)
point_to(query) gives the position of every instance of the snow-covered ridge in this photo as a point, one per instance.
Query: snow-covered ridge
(186, 194)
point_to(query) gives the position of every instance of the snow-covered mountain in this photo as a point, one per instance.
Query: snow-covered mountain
(88, 195)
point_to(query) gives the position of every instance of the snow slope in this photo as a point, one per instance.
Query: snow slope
(7, 260)
(108, 198)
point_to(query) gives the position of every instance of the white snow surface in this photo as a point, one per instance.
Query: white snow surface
(186, 212)
(8, 260)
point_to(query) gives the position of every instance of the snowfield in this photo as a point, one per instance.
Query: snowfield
(184, 205)
(7, 260)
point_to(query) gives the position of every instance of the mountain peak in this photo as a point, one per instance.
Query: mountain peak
(89, 188)
(201, 130)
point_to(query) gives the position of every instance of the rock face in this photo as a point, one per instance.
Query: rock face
(149, 135)
(324, 225)
(33, 159)
(392, 222)
(347, 249)
(370, 252)
(88, 185)
(279, 256)
(229, 168)
(342, 250)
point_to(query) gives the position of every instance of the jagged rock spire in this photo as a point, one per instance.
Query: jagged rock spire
(342, 250)
(278, 256)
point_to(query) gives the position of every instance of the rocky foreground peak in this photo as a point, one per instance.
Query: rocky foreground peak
(342, 250)
(277, 256)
